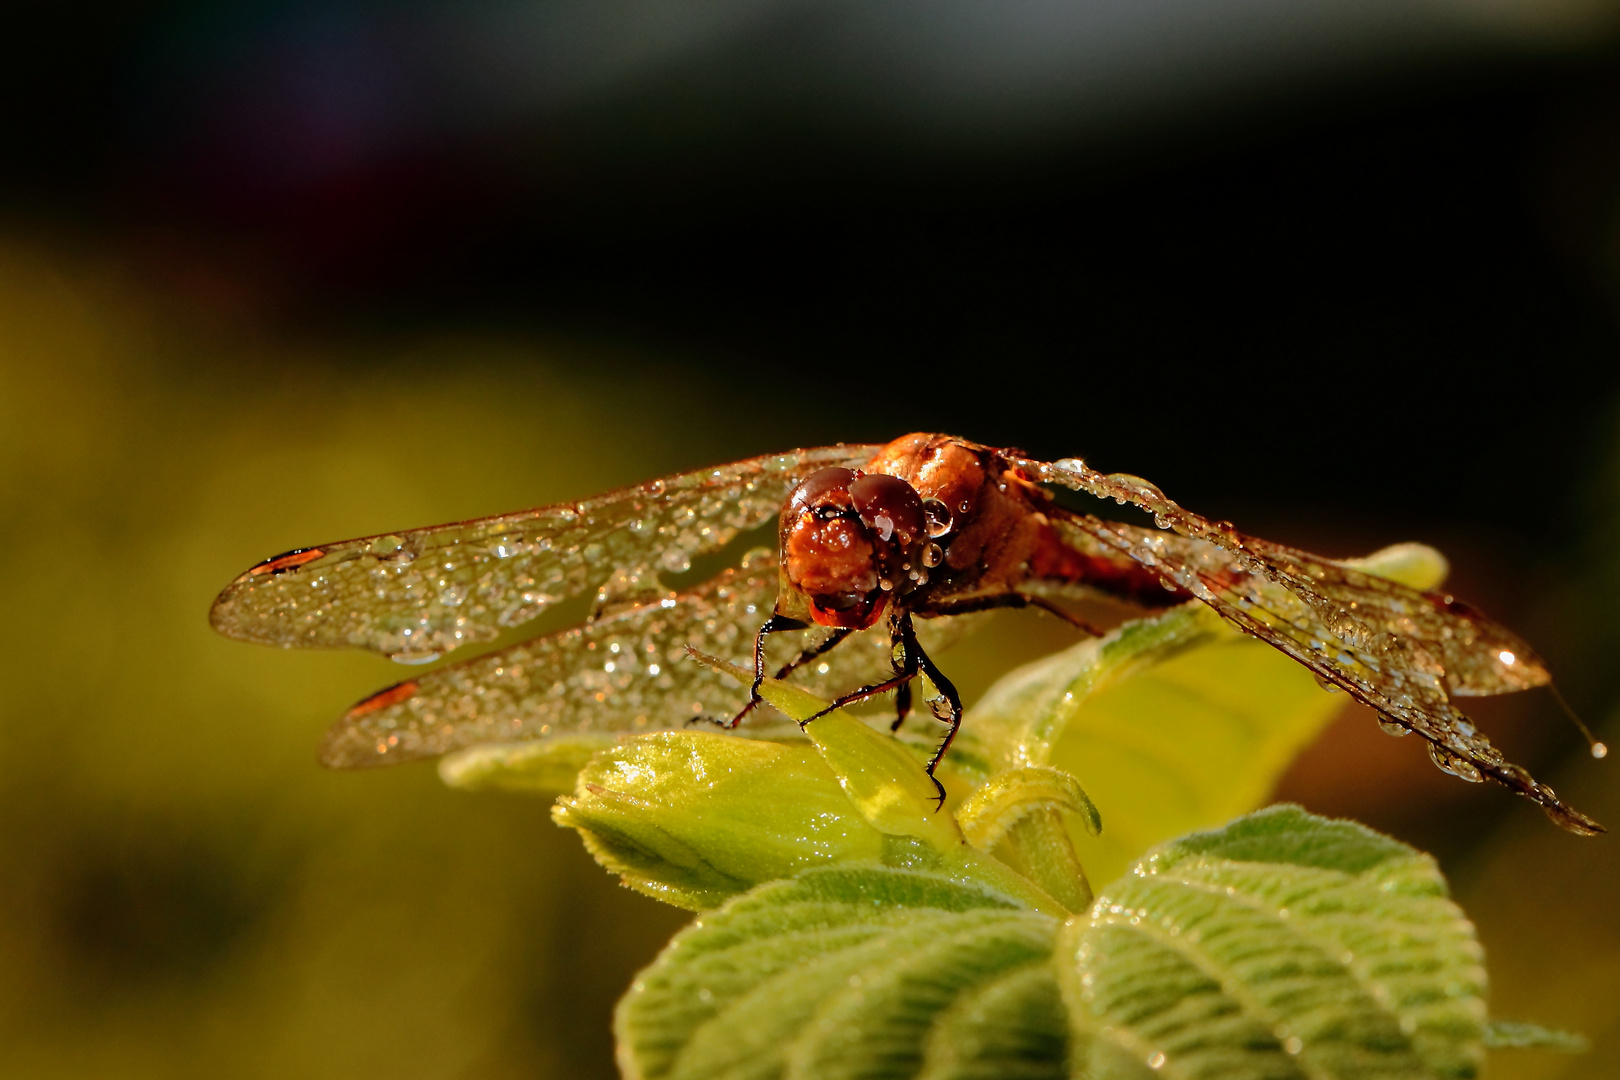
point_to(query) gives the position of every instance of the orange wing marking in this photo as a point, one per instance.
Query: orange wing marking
(290, 561)
(382, 699)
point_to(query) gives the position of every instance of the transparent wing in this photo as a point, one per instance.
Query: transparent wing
(625, 672)
(1401, 651)
(417, 594)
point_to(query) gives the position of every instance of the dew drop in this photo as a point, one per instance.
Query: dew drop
(1156, 1061)
(938, 517)
(414, 658)
(1390, 727)
(1600, 750)
(676, 561)
(1327, 684)
(933, 555)
(1459, 767)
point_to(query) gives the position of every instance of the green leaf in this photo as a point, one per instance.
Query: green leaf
(1017, 815)
(1284, 945)
(884, 779)
(1172, 723)
(995, 807)
(1011, 1027)
(550, 766)
(881, 775)
(833, 972)
(692, 818)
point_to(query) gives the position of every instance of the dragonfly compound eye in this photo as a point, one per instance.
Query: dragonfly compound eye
(826, 488)
(890, 507)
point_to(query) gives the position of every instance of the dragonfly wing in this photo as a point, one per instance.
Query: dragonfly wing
(422, 592)
(1401, 651)
(626, 672)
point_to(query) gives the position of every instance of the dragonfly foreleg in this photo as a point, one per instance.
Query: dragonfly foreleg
(771, 626)
(952, 699)
(913, 661)
(904, 663)
(812, 652)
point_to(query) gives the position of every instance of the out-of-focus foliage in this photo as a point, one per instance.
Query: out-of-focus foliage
(183, 891)
(1546, 907)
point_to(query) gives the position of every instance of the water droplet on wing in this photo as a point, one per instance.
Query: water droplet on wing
(1459, 767)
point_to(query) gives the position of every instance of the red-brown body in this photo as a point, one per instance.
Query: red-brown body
(931, 526)
(987, 533)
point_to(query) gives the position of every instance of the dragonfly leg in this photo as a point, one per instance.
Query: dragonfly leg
(855, 697)
(904, 664)
(902, 706)
(1015, 600)
(811, 653)
(771, 626)
(905, 669)
(943, 685)
(913, 661)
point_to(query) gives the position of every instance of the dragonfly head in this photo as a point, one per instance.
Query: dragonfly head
(850, 543)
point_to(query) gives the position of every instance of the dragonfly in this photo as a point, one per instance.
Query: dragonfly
(884, 553)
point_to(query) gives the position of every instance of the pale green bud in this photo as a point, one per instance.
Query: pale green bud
(693, 817)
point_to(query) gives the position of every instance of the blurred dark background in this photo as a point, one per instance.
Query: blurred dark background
(273, 273)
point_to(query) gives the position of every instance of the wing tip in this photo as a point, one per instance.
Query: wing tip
(349, 745)
(220, 612)
(1572, 820)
